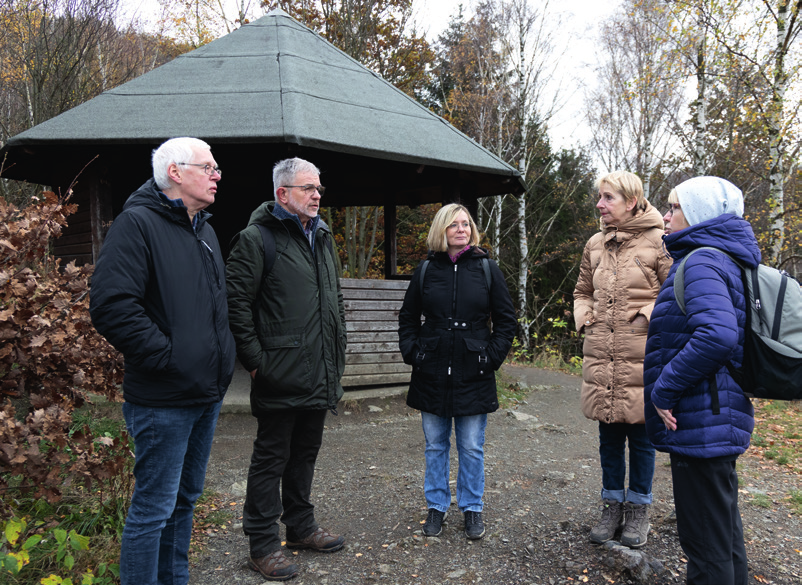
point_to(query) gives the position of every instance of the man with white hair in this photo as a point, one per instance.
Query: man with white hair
(159, 296)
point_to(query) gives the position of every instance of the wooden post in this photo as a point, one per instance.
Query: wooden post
(390, 238)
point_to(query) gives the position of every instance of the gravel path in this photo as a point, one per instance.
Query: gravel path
(543, 481)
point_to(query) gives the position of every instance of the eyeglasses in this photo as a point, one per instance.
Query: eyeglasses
(307, 189)
(672, 207)
(208, 169)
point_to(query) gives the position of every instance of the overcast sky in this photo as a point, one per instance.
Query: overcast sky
(577, 22)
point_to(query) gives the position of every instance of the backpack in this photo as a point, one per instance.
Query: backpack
(269, 243)
(485, 269)
(772, 366)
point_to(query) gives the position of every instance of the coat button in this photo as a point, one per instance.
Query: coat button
(464, 324)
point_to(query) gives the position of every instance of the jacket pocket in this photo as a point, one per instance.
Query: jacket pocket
(477, 364)
(424, 358)
(285, 367)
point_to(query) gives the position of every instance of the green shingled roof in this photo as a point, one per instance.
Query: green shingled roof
(271, 81)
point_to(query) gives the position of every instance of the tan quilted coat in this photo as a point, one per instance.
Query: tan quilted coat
(619, 278)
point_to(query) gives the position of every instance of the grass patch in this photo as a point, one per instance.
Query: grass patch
(777, 437)
(796, 500)
(213, 515)
(510, 392)
(761, 501)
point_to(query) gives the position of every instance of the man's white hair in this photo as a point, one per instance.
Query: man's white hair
(175, 150)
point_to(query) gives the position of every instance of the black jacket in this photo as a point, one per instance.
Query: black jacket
(454, 354)
(159, 296)
(289, 326)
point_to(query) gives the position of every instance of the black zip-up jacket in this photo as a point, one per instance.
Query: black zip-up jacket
(454, 354)
(159, 296)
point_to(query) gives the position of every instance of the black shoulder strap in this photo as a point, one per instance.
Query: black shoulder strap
(485, 269)
(269, 241)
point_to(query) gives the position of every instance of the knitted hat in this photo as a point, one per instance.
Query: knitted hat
(703, 198)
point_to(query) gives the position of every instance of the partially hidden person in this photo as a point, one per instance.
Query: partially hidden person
(289, 327)
(622, 269)
(468, 331)
(158, 295)
(695, 411)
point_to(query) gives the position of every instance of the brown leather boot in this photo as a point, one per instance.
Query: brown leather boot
(319, 540)
(274, 567)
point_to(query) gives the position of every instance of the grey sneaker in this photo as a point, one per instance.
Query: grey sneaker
(636, 525)
(434, 523)
(474, 527)
(612, 513)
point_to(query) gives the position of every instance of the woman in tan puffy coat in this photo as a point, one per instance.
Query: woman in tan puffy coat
(622, 269)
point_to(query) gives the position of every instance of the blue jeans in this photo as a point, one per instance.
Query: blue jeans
(470, 434)
(612, 446)
(172, 450)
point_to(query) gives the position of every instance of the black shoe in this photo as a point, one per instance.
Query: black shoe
(434, 523)
(474, 527)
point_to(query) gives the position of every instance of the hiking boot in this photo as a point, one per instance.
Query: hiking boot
(319, 540)
(612, 513)
(434, 523)
(474, 527)
(273, 567)
(636, 525)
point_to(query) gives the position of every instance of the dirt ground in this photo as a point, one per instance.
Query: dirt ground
(541, 500)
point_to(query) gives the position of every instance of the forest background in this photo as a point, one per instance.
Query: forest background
(680, 88)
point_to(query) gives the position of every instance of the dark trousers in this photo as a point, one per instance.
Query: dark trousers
(708, 519)
(280, 478)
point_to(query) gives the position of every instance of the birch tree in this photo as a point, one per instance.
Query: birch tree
(632, 111)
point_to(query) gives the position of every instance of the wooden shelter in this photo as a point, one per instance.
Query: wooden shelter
(269, 90)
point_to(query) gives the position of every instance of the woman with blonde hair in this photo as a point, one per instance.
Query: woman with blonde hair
(454, 355)
(622, 269)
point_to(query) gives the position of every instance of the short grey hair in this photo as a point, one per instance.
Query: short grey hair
(175, 150)
(284, 171)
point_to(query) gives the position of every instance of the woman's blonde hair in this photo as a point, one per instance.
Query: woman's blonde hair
(626, 183)
(437, 240)
(673, 197)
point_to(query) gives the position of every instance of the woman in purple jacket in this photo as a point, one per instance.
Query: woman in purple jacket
(694, 409)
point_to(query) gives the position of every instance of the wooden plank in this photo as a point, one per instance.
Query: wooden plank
(373, 283)
(355, 326)
(374, 294)
(375, 379)
(373, 358)
(351, 305)
(360, 369)
(372, 316)
(370, 337)
(371, 347)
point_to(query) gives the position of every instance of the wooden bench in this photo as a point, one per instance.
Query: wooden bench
(371, 317)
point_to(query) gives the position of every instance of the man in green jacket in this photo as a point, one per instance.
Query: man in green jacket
(289, 328)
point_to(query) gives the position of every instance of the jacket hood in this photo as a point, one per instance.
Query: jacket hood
(148, 196)
(643, 220)
(726, 232)
(705, 198)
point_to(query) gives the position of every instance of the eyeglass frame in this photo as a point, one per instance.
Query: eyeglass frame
(307, 188)
(204, 167)
(672, 207)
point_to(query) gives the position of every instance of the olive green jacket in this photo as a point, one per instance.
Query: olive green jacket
(290, 325)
